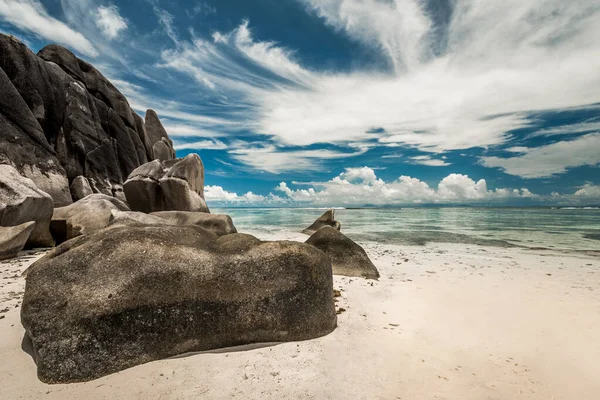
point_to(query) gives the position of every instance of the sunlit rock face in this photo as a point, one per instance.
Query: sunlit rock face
(61, 119)
(173, 185)
(124, 296)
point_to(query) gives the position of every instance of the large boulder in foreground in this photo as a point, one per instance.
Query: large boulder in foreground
(85, 216)
(347, 258)
(327, 219)
(124, 296)
(174, 185)
(13, 239)
(21, 201)
(219, 224)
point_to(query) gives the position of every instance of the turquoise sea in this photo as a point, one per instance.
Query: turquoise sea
(558, 229)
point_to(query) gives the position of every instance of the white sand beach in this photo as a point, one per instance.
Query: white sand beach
(443, 322)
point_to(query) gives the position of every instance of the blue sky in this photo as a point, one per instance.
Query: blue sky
(353, 102)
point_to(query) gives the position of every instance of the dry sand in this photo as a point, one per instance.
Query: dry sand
(443, 322)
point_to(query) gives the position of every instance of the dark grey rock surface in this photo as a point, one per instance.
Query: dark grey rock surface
(124, 296)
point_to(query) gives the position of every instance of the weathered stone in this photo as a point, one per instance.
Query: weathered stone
(162, 146)
(134, 218)
(95, 82)
(125, 296)
(347, 258)
(60, 118)
(173, 185)
(22, 140)
(13, 239)
(191, 170)
(161, 151)
(80, 188)
(327, 219)
(88, 215)
(177, 195)
(21, 201)
(219, 224)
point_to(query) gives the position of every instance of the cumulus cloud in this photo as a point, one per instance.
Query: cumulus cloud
(217, 194)
(110, 21)
(361, 186)
(589, 191)
(552, 159)
(31, 16)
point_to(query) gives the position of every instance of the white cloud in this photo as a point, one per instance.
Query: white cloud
(481, 86)
(275, 160)
(361, 186)
(196, 123)
(200, 145)
(201, 8)
(180, 130)
(31, 16)
(110, 21)
(552, 159)
(398, 27)
(589, 191)
(357, 186)
(517, 149)
(166, 20)
(219, 195)
(428, 161)
(572, 129)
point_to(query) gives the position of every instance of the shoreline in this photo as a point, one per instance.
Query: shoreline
(448, 320)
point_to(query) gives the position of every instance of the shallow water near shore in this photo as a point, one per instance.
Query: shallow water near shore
(557, 229)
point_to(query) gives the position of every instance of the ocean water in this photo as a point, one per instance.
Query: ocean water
(557, 229)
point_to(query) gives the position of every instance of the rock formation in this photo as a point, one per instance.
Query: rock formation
(13, 239)
(347, 258)
(327, 219)
(80, 188)
(124, 296)
(134, 218)
(21, 201)
(85, 216)
(174, 185)
(219, 224)
(162, 146)
(60, 119)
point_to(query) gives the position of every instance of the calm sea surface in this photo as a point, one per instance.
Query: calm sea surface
(561, 229)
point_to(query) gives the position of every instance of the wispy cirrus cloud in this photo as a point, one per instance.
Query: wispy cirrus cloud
(462, 74)
(550, 160)
(31, 16)
(571, 129)
(428, 161)
(199, 145)
(482, 85)
(275, 160)
(110, 21)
